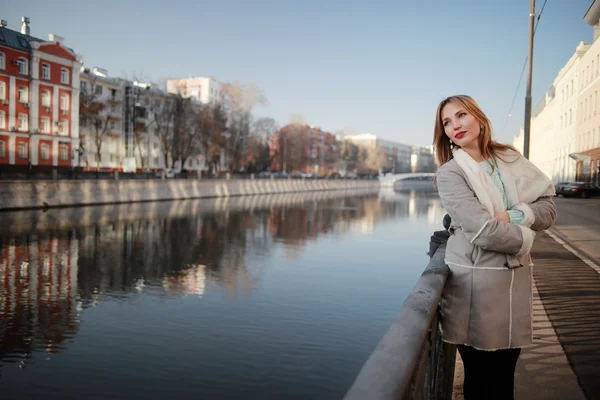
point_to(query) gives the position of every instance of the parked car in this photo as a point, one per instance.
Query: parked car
(559, 186)
(578, 189)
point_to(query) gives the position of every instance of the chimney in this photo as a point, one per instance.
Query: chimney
(25, 26)
(3, 23)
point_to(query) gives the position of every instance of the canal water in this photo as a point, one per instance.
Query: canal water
(258, 298)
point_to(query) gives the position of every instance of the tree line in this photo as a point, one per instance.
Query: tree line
(185, 128)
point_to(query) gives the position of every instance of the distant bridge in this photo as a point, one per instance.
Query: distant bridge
(389, 180)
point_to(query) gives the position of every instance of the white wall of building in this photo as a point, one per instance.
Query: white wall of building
(205, 90)
(588, 119)
(554, 123)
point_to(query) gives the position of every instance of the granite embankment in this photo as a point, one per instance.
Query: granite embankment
(19, 195)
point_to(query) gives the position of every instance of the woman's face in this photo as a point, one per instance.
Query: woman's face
(460, 126)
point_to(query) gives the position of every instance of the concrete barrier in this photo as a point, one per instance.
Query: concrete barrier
(19, 195)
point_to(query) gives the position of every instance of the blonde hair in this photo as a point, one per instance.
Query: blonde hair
(488, 147)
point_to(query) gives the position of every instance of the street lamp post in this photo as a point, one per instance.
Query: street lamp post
(527, 127)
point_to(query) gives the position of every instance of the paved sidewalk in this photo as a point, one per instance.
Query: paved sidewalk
(569, 289)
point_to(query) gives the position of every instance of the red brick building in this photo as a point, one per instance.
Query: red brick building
(39, 100)
(303, 148)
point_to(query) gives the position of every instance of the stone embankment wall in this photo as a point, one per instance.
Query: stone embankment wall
(17, 195)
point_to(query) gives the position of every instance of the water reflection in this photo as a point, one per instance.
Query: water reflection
(38, 294)
(48, 279)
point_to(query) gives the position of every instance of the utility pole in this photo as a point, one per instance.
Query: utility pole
(527, 129)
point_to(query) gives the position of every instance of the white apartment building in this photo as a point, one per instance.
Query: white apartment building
(205, 90)
(587, 144)
(129, 143)
(565, 125)
(402, 158)
(99, 87)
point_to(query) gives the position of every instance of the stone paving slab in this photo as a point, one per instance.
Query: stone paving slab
(568, 286)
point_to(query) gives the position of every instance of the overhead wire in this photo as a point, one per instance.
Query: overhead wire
(522, 72)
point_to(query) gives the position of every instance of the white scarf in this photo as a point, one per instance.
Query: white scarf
(523, 181)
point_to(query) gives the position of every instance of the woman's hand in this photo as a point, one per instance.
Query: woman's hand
(502, 216)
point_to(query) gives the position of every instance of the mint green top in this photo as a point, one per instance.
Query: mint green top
(516, 216)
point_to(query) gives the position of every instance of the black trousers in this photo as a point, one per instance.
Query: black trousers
(489, 375)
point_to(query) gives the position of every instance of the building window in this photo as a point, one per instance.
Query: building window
(84, 86)
(23, 122)
(22, 150)
(64, 76)
(64, 102)
(2, 61)
(587, 74)
(63, 153)
(45, 125)
(63, 127)
(2, 149)
(2, 120)
(2, 90)
(23, 94)
(570, 117)
(45, 98)
(98, 89)
(23, 66)
(45, 71)
(45, 152)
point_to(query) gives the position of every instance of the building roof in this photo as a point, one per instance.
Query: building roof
(593, 13)
(88, 76)
(17, 40)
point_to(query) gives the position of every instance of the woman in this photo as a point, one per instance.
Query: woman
(497, 199)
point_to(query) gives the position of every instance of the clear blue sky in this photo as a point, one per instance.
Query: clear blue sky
(374, 66)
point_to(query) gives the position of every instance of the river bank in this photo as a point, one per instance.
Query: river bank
(22, 195)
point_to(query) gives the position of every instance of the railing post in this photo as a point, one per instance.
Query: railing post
(439, 380)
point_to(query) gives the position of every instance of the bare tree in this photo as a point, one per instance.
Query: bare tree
(239, 100)
(263, 128)
(292, 154)
(349, 153)
(259, 144)
(371, 159)
(163, 114)
(212, 122)
(186, 129)
(94, 115)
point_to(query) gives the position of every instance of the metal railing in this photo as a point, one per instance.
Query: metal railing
(412, 361)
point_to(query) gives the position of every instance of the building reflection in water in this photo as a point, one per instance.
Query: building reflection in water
(38, 294)
(47, 279)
